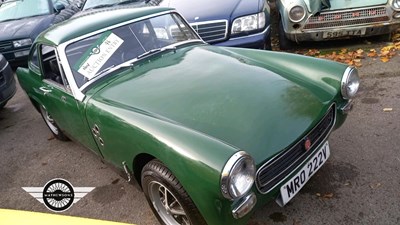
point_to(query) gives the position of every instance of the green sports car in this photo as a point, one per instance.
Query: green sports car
(209, 133)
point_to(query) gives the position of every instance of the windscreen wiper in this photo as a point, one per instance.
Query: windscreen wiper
(127, 2)
(104, 70)
(155, 50)
(100, 6)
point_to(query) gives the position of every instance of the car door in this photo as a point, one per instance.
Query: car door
(58, 100)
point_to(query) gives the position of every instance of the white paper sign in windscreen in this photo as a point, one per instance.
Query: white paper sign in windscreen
(99, 55)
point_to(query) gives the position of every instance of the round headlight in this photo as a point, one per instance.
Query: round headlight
(297, 13)
(238, 175)
(396, 4)
(350, 83)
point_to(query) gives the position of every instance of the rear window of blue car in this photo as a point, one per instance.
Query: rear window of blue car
(18, 9)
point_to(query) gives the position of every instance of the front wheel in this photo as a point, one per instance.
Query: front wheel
(167, 198)
(284, 42)
(3, 104)
(52, 125)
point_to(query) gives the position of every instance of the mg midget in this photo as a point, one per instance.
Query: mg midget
(210, 134)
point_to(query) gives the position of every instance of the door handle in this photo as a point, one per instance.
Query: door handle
(63, 98)
(45, 90)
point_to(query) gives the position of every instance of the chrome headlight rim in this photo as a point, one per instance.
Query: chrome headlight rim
(349, 77)
(260, 20)
(396, 5)
(22, 43)
(301, 18)
(229, 169)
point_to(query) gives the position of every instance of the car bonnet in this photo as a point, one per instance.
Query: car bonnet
(22, 28)
(224, 96)
(198, 11)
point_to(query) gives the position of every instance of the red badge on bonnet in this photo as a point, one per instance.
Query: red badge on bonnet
(307, 144)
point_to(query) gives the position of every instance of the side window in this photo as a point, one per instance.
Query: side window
(34, 59)
(51, 69)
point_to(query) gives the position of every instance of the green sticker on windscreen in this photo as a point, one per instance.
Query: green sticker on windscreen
(98, 54)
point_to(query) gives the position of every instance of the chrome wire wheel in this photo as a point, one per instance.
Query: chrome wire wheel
(49, 121)
(167, 205)
(52, 125)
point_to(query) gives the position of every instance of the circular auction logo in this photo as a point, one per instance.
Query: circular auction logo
(58, 195)
(96, 50)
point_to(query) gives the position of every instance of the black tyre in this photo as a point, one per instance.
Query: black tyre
(268, 44)
(3, 104)
(167, 198)
(52, 125)
(384, 38)
(284, 42)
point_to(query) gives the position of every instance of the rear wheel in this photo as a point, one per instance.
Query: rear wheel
(52, 125)
(167, 198)
(3, 104)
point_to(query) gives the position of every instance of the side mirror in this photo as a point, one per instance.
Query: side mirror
(58, 7)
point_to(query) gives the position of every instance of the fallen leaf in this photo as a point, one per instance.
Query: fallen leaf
(388, 109)
(329, 195)
(372, 53)
(375, 186)
(385, 59)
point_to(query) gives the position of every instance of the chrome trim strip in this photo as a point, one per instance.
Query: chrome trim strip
(244, 208)
(280, 156)
(348, 107)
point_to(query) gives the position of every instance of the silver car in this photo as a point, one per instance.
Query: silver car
(320, 20)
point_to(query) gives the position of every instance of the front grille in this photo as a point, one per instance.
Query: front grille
(347, 18)
(211, 31)
(5, 46)
(277, 169)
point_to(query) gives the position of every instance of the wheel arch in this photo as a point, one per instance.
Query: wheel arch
(35, 103)
(137, 165)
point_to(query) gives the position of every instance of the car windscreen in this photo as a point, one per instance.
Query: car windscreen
(18, 9)
(95, 55)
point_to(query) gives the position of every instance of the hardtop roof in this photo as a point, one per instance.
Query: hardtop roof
(93, 21)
